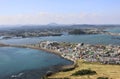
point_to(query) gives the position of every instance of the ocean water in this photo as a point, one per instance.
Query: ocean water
(114, 30)
(15, 60)
(91, 39)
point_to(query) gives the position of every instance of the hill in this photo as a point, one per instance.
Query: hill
(110, 71)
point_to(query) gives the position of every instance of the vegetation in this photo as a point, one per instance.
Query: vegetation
(102, 78)
(59, 78)
(70, 69)
(55, 78)
(84, 72)
(77, 31)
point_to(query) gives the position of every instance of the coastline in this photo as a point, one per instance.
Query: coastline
(61, 68)
(65, 67)
(38, 48)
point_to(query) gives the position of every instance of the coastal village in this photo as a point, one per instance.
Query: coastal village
(105, 54)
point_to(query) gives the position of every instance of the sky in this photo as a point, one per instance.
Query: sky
(14, 12)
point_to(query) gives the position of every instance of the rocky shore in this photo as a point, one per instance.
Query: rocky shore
(36, 73)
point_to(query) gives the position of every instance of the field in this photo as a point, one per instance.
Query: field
(110, 71)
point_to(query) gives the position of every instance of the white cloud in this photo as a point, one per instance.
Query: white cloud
(45, 18)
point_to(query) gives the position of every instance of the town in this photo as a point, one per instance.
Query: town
(105, 54)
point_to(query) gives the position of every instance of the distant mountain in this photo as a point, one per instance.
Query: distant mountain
(53, 24)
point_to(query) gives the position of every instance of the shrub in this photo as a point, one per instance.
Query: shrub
(102, 78)
(66, 70)
(84, 72)
(59, 78)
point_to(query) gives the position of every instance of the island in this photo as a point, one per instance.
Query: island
(50, 30)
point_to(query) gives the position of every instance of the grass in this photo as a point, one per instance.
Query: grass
(110, 71)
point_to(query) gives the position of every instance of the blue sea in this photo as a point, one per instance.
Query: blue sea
(31, 63)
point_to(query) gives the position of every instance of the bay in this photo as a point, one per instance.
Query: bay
(15, 60)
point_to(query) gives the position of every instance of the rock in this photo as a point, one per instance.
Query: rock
(49, 73)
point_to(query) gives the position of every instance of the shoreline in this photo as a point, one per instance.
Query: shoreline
(61, 68)
(38, 48)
